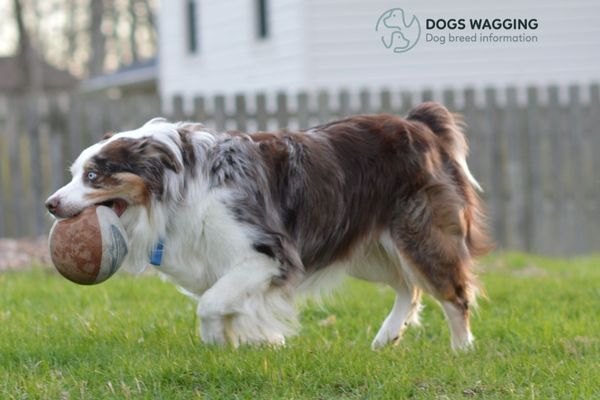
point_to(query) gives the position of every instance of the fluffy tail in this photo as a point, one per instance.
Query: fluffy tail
(448, 128)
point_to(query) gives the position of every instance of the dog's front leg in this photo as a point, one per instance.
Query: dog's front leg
(228, 298)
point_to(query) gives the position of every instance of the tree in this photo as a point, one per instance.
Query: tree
(95, 36)
(30, 62)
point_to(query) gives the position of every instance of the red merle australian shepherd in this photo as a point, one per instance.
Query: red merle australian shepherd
(251, 221)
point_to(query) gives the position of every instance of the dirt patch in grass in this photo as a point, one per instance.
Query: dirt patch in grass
(23, 253)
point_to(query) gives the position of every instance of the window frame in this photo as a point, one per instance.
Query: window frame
(191, 27)
(263, 31)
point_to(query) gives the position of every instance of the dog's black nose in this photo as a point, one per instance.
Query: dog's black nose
(52, 204)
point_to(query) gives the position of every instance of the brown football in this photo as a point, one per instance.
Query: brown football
(90, 247)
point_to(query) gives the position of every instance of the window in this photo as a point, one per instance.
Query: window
(262, 19)
(192, 39)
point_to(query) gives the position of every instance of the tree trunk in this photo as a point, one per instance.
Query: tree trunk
(70, 29)
(118, 45)
(29, 60)
(133, 26)
(98, 50)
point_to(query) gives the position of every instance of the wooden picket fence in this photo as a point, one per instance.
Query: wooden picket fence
(536, 151)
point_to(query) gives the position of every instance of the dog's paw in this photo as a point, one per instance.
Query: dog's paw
(276, 340)
(273, 341)
(463, 344)
(242, 329)
(384, 339)
(212, 331)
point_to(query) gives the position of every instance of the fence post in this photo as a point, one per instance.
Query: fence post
(385, 100)
(323, 111)
(554, 188)
(579, 164)
(594, 135)
(61, 113)
(303, 111)
(516, 170)
(345, 108)
(496, 189)
(94, 113)
(220, 113)
(282, 114)
(17, 216)
(74, 127)
(262, 114)
(240, 116)
(407, 102)
(178, 113)
(119, 112)
(534, 143)
(58, 149)
(365, 101)
(32, 126)
(200, 114)
(449, 100)
(4, 168)
(427, 95)
(45, 155)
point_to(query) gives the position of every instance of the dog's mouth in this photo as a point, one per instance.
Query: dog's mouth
(117, 205)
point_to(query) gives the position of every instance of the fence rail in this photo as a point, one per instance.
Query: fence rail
(535, 152)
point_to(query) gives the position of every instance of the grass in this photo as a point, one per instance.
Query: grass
(537, 337)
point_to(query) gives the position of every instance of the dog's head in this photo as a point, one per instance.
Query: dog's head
(142, 175)
(124, 171)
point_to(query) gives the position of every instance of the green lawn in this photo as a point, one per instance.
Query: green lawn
(538, 337)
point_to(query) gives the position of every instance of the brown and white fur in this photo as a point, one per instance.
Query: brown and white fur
(250, 221)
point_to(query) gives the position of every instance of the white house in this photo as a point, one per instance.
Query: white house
(231, 46)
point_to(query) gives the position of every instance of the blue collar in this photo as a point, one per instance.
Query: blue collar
(156, 254)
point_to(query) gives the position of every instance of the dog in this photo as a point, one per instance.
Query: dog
(248, 223)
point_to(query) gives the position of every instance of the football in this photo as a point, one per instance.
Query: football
(90, 247)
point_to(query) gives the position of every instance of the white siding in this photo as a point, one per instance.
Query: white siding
(344, 51)
(317, 44)
(230, 57)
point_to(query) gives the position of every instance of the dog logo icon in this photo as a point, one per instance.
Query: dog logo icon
(395, 33)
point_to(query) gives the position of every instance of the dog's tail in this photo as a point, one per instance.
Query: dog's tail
(448, 128)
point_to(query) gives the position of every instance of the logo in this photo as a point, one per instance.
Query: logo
(395, 33)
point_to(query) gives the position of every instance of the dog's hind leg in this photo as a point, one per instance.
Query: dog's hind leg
(431, 236)
(458, 322)
(382, 263)
(405, 310)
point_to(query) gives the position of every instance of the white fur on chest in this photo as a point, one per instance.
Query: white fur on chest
(203, 243)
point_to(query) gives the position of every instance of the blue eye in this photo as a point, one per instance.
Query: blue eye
(92, 175)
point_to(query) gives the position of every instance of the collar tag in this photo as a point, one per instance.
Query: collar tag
(156, 254)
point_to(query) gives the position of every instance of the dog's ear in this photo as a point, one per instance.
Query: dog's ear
(156, 120)
(139, 154)
(154, 149)
(191, 127)
(107, 135)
